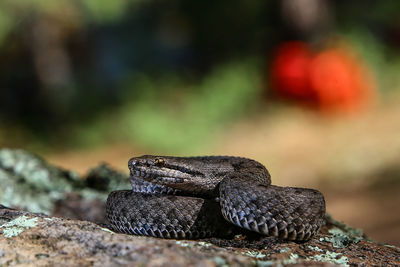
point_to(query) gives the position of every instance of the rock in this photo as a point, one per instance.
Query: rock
(47, 232)
(30, 183)
(38, 240)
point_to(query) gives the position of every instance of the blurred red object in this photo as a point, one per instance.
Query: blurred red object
(332, 79)
(290, 71)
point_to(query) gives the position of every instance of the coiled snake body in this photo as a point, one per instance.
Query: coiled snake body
(196, 197)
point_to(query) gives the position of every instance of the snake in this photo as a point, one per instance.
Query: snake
(208, 196)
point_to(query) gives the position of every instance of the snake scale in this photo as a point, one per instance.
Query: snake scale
(198, 197)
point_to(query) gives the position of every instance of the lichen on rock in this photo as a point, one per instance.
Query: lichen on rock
(18, 225)
(30, 183)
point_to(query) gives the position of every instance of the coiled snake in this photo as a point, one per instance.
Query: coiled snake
(196, 197)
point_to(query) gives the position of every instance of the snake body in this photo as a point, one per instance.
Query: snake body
(198, 197)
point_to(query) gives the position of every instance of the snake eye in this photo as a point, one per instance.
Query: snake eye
(159, 162)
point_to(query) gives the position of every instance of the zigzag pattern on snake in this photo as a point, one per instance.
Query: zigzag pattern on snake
(198, 197)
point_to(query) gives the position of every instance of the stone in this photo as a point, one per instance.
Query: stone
(39, 228)
(38, 240)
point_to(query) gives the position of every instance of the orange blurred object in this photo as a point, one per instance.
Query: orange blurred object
(332, 79)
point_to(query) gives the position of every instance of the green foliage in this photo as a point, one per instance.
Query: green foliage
(171, 115)
(384, 62)
(158, 122)
(104, 11)
(5, 25)
(12, 12)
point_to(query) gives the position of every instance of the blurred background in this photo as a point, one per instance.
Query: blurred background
(310, 88)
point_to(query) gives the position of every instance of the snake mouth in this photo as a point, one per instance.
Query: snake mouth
(156, 171)
(160, 176)
(178, 173)
(165, 166)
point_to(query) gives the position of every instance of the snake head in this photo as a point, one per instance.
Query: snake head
(199, 175)
(194, 174)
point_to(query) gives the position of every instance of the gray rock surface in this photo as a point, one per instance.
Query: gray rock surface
(29, 239)
(28, 182)
(59, 239)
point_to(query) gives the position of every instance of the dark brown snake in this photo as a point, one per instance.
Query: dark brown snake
(196, 197)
